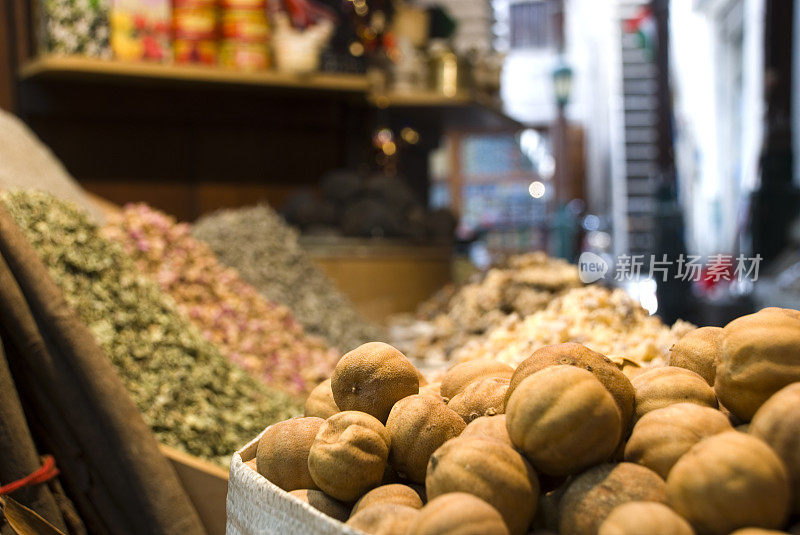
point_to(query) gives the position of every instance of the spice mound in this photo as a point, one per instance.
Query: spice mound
(261, 336)
(607, 321)
(265, 250)
(193, 397)
(522, 285)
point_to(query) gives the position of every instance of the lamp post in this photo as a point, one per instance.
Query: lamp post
(562, 242)
(562, 89)
(562, 84)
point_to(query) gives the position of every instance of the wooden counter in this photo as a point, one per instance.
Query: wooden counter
(382, 277)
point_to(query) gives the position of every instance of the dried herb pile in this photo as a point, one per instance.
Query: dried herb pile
(522, 285)
(260, 335)
(607, 321)
(265, 250)
(193, 397)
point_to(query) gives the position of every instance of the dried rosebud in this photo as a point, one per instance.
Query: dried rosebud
(263, 335)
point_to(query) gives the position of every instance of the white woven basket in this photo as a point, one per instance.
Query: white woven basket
(256, 506)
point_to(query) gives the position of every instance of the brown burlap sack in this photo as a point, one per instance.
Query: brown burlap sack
(20, 458)
(110, 460)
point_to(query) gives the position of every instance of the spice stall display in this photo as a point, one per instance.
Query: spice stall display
(260, 335)
(194, 398)
(265, 251)
(450, 319)
(607, 321)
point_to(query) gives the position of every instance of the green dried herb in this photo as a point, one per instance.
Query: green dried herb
(195, 399)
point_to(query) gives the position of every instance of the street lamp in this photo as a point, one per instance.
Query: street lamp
(562, 237)
(562, 83)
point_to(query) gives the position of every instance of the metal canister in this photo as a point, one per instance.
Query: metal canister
(245, 35)
(194, 24)
(445, 69)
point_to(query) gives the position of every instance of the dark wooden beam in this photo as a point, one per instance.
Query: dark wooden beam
(7, 57)
(16, 46)
(25, 47)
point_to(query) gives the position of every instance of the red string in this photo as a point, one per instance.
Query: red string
(44, 473)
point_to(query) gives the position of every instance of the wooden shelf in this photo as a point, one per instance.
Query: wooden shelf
(460, 110)
(421, 99)
(80, 68)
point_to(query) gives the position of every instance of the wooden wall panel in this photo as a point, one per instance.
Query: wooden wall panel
(212, 196)
(174, 197)
(187, 149)
(7, 59)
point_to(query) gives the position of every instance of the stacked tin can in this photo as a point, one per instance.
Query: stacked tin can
(245, 35)
(195, 25)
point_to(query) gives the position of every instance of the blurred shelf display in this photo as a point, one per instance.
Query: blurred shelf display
(501, 185)
(84, 68)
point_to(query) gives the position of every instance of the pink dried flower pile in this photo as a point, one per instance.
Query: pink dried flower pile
(261, 336)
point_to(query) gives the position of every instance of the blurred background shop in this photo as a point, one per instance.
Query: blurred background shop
(414, 142)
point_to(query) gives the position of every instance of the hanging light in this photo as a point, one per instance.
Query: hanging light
(536, 189)
(562, 83)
